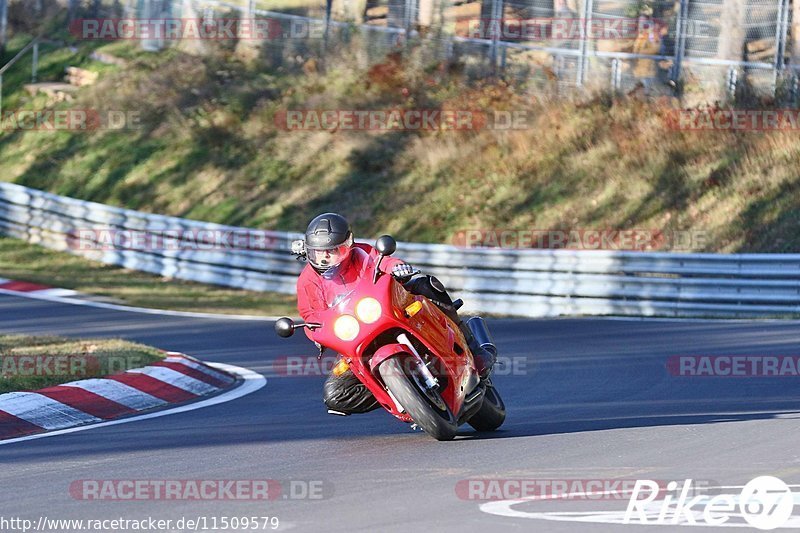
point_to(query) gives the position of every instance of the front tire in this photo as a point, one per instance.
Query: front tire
(492, 413)
(437, 420)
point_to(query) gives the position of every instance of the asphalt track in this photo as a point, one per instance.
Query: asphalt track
(592, 401)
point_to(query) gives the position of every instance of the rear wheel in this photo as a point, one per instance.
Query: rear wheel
(492, 413)
(425, 406)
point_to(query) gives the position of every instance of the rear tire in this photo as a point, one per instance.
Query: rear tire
(437, 422)
(492, 413)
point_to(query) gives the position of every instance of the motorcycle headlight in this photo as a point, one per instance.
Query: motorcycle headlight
(346, 327)
(368, 310)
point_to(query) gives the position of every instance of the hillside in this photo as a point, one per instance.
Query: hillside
(211, 147)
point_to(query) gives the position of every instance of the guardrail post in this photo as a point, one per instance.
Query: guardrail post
(616, 75)
(587, 12)
(733, 80)
(35, 62)
(681, 25)
(408, 18)
(781, 31)
(328, 14)
(495, 22)
(148, 12)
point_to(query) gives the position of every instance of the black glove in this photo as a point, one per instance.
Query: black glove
(403, 272)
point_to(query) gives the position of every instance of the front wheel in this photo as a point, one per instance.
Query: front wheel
(425, 406)
(492, 413)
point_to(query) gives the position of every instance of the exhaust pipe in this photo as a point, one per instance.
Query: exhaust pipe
(481, 333)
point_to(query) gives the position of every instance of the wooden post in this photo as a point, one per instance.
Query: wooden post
(427, 13)
(730, 46)
(732, 33)
(353, 10)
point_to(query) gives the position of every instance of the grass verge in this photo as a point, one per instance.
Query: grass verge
(30, 363)
(27, 262)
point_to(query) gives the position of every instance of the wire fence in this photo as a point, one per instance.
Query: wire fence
(710, 49)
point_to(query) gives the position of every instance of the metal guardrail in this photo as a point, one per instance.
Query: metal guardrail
(530, 283)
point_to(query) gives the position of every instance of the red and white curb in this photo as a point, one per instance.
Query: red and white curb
(34, 288)
(176, 379)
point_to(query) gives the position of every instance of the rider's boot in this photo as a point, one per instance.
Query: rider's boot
(483, 349)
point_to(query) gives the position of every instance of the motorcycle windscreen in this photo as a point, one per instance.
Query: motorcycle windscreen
(340, 281)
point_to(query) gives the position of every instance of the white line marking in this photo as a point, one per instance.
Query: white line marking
(252, 383)
(505, 508)
(56, 292)
(143, 310)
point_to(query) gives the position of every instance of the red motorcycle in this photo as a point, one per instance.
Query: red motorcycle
(409, 354)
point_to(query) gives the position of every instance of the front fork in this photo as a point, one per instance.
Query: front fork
(430, 381)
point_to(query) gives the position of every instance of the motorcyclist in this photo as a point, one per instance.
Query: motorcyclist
(335, 266)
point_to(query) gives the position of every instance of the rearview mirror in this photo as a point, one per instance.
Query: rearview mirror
(284, 327)
(386, 245)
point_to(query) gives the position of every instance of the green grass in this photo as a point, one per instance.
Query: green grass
(26, 262)
(30, 363)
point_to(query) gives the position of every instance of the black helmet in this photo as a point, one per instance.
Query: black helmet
(328, 241)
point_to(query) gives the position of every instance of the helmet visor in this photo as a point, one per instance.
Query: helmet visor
(325, 258)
